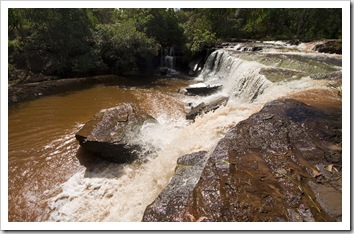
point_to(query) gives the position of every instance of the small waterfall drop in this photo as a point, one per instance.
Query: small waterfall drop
(240, 79)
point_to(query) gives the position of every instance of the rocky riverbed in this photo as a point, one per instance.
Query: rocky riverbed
(281, 164)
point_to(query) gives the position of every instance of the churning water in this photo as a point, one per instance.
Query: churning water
(52, 179)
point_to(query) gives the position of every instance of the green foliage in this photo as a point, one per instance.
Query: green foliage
(197, 30)
(61, 34)
(289, 23)
(121, 45)
(222, 21)
(81, 41)
(322, 23)
(158, 23)
(101, 16)
(14, 46)
(267, 24)
(199, 39)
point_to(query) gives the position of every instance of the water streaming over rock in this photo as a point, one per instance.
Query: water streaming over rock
(168, 60)
(240, 79)
(120, 192)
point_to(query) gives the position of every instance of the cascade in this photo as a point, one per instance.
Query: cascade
(240, 79)
(168, 61)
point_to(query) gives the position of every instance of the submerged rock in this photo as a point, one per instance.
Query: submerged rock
(110, 131)
(173, 198)
(281, 164)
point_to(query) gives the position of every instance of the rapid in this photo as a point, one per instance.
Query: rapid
(52, 179)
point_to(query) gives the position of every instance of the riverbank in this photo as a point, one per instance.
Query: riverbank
(20, 92)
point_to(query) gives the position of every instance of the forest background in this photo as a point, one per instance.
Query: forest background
(69, 42)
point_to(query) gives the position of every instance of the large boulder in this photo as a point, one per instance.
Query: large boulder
(109, 134)
(281, 164)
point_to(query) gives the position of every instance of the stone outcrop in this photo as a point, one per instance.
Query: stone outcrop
(281, 164)
(173, 198)
(202, 89)
(110, 131)
(331, 47)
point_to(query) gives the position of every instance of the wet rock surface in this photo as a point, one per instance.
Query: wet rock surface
(111, 130)
(206, 107)
(281, 164)
(203, 90)
(331, 47)
(173, 198)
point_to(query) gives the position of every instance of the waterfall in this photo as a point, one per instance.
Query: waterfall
(247, 77)
(240, 79)
(168, 61)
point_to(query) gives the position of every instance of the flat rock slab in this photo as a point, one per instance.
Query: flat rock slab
(281, 164)
(202, 89)
(110, 131)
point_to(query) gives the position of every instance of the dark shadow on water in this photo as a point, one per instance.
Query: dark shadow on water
(88, 159)
(97, 167)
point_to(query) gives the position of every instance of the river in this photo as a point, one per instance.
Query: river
(52, 179)
(43, 152)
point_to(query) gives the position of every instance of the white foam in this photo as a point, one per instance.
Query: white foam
(121, 192)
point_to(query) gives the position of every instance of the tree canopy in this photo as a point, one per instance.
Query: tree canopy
(86, 41)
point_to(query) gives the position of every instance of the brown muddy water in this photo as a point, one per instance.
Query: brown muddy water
(43, 152)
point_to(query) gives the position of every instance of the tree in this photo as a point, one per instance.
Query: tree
(60, 37)
(197, 30)
(158, 23)
(81, 41)
(289, 23)
(121, 45)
